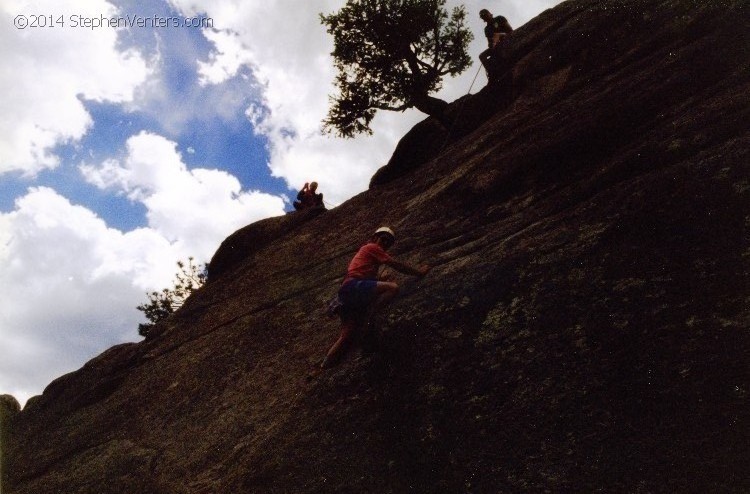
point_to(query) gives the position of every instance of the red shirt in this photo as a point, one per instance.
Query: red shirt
(366, 263)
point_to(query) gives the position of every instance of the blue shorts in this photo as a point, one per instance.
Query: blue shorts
(356, 295)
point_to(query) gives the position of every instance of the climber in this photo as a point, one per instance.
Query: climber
(361, 294)
(307, 198)
(496, 30)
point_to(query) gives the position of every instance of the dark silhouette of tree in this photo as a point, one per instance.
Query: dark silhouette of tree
(390, 55)
(161, 304)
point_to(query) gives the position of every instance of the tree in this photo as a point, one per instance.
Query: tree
(390, 55)
(161, 304)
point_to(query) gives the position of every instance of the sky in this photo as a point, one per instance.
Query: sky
(128, 145)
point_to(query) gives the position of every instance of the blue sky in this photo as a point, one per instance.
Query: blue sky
(125, 150)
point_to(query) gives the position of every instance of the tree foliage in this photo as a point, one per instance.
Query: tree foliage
(161, 304)
(390, 55)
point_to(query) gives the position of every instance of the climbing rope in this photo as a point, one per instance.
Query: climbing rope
(458, 114)
(473, 81)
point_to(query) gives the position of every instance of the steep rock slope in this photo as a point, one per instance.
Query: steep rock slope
(585, 327)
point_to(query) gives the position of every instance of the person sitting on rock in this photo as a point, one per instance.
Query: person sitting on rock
(307, 198)
(496, 29)
(361, 293)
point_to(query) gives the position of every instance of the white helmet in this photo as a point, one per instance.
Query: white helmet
(385, 229)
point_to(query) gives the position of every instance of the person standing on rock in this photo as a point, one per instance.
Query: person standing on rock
(361, 293)
(496, 29)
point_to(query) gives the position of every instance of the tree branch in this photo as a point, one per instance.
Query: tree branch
(383, 106)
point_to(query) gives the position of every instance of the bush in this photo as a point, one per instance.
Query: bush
(162, 304)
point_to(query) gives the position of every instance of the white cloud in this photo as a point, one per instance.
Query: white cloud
(226, 59)
(45, 72)
(288, 50)
(69, 287)
(70, 284)
(178, 96)
(196, 209)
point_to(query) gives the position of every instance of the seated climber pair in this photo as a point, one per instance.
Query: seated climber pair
(362, 292)
(307, 198)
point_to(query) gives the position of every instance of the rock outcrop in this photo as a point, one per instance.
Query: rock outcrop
(245, 242)
(584, 329)
(9, 407)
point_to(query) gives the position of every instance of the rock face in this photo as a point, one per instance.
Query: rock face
(584, 329)
(245, 242)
